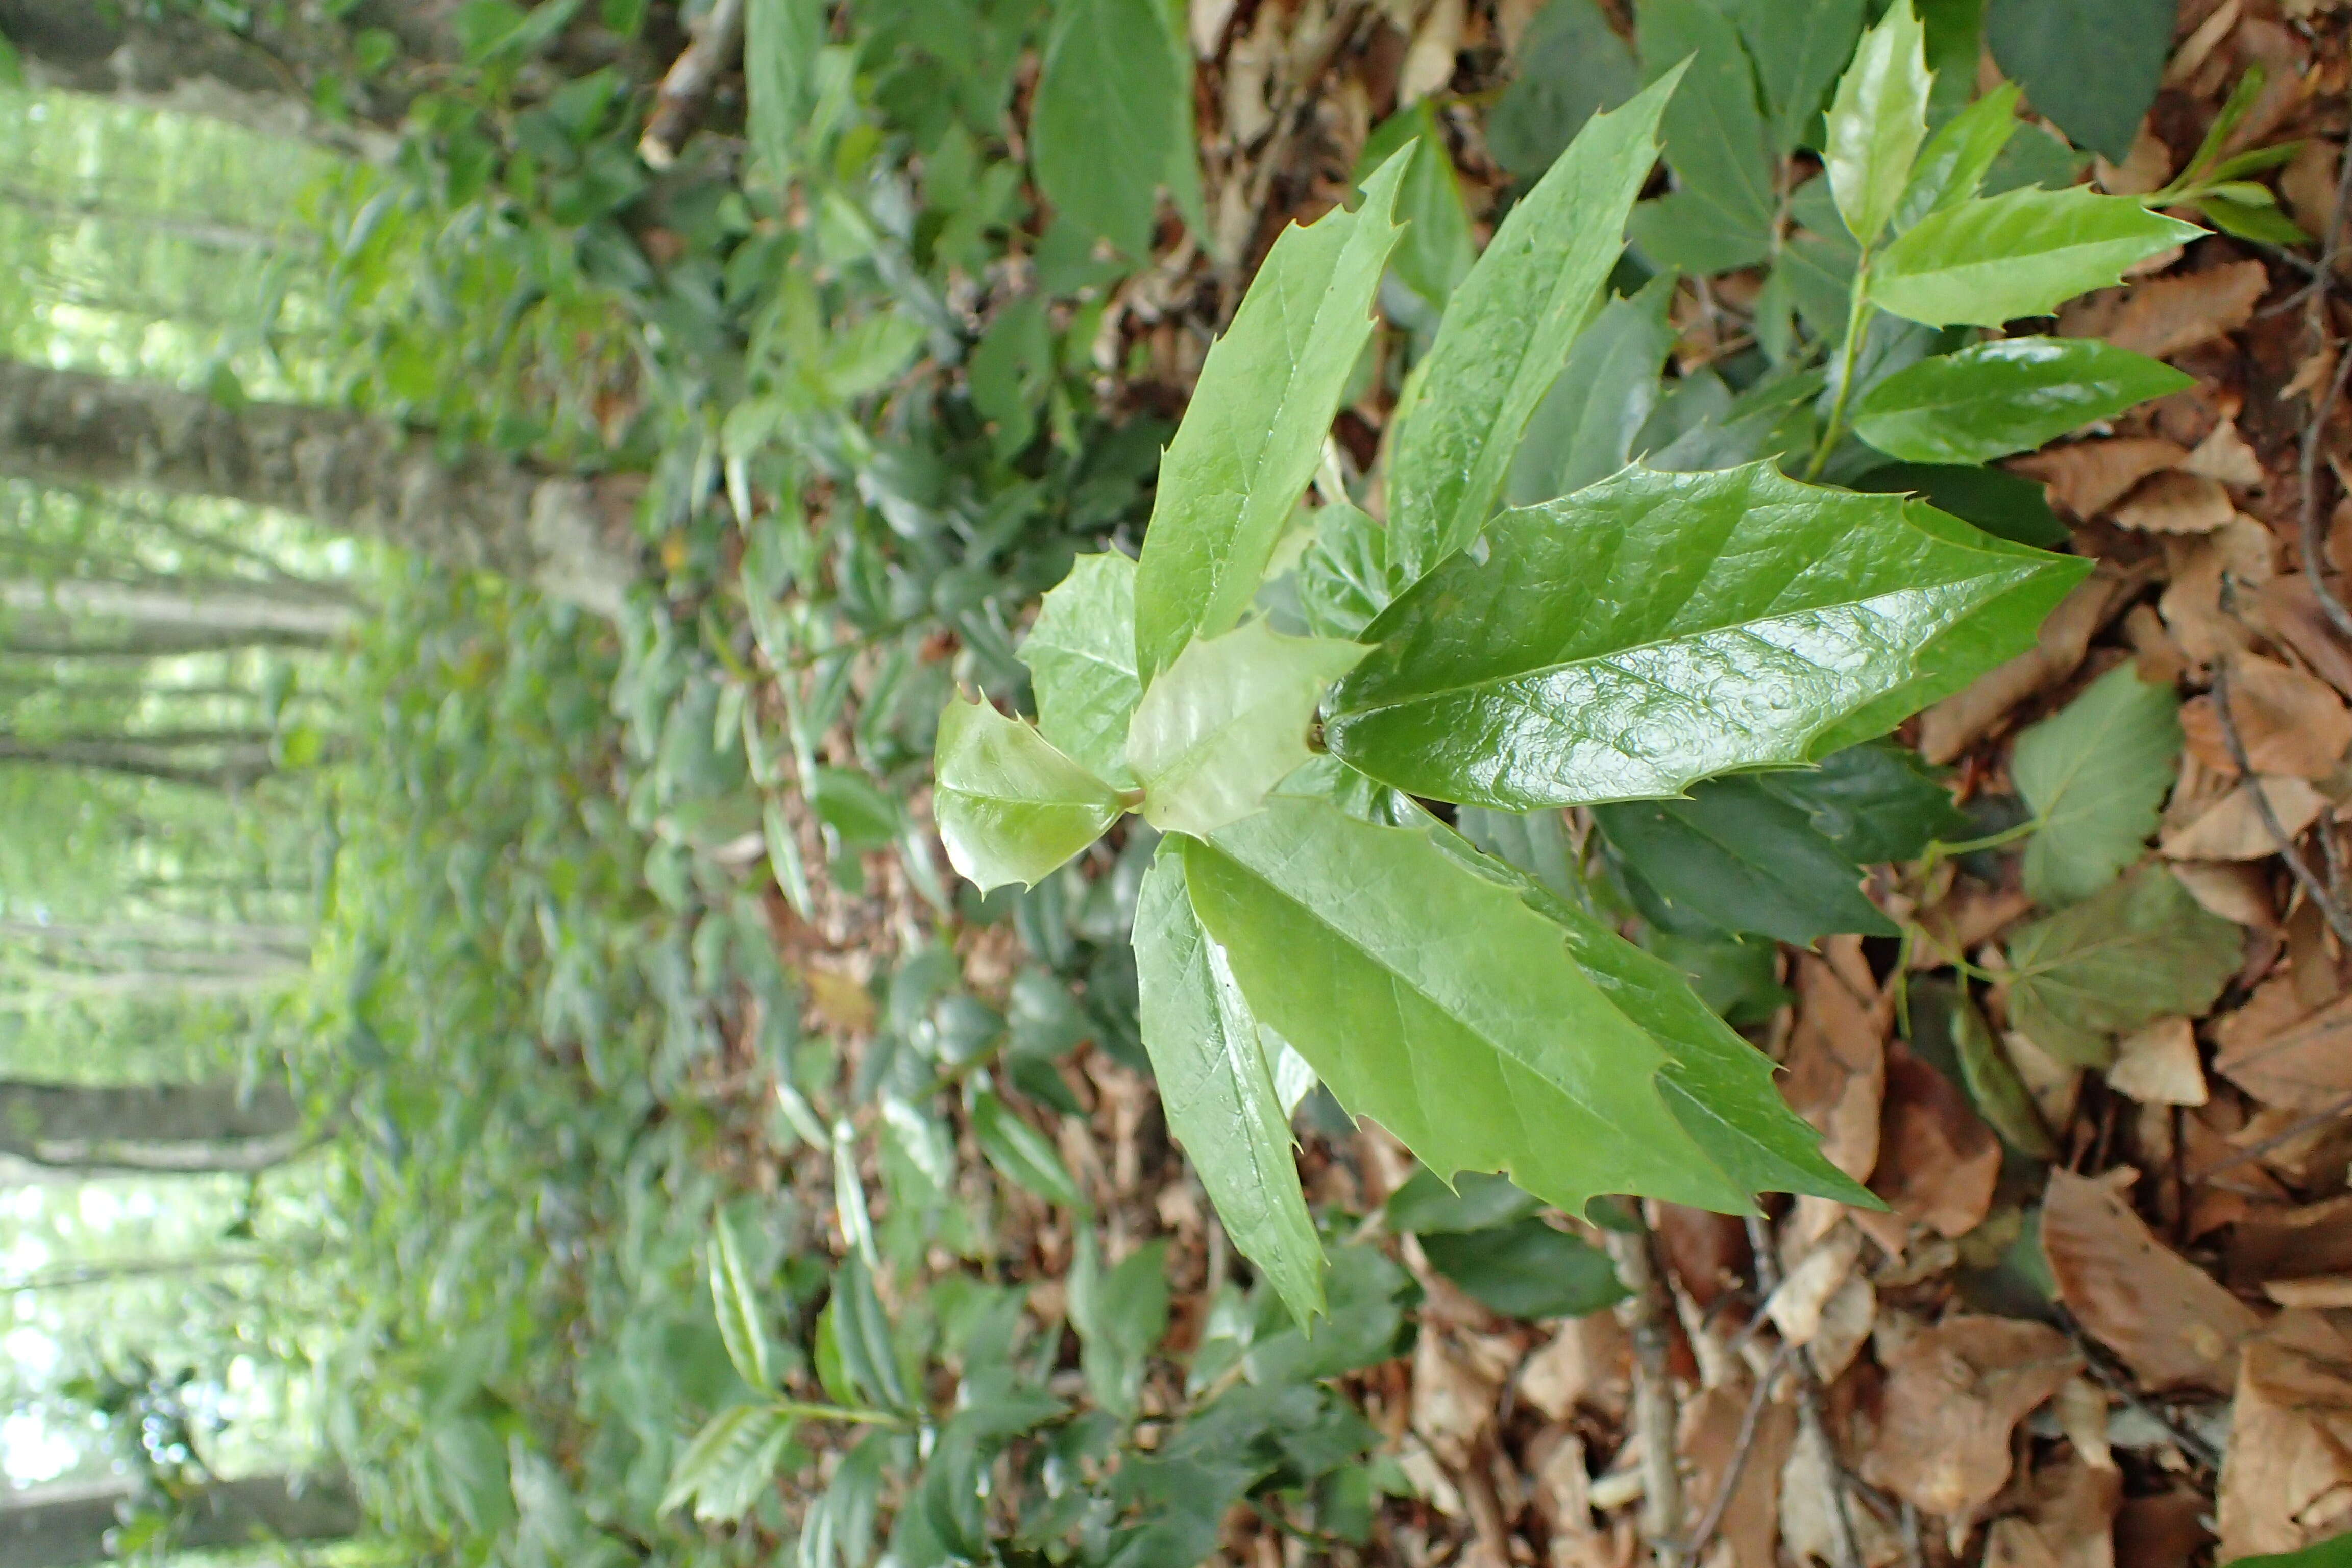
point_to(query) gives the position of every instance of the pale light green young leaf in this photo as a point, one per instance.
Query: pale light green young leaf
(1254, 432)
(1022, 1154)
(737, 1303)
(1081, 656)
(1010, 807)
(2096, 775)
(1507, 333)
(780, 39)
(1991, 399)
(2139, 950)
(2022, 253)
(1656, 629)
(1223, 1104)
(1951, 168)
(1877, 120)
(1227, 722)
(1433, 999)
(721, 1472)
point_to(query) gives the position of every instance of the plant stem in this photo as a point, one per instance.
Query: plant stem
(1849, 355)
(806, 1410)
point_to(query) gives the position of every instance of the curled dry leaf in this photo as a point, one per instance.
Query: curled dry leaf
(2280, 1241)
(1846, 1320)
(2290, 723)
(1954, 1394)
(2287, 610)
(1453, 1400)
(2175, 502)
(2230, 888)
(1710, 1437)
(2167, 1318)
(2228, 456)
(2086, 477)
(1938, 1161)
(2286, 1482)
(2164, 315)
(1953, 725)
(1797, 1305)
(1589, 1363)
(1837, 1064)
(2232, 828)
(2068, 1520)
(2159, 1065)
(2285, 1054)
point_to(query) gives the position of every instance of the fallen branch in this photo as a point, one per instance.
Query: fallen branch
(1815, 1429)
(711, 50)
(1643, 1314)
(1750, 1423)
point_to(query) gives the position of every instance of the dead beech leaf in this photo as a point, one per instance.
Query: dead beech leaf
(2289, 723)
(2315, 1291)
(1953, 725)
(1707, 1253)
(2145, 168)
(1846, 1320)
(2159, 1066)
(1970, 916)
(2164, 315)
(2302, 1063)
(1589, 1362)
(2085, 478)
(2308, 186)
(2167, 1318)
(1708, 1439)
(2232, 828)
(2175, 502)
(2288, 610)
(2231, 889)
(1429, 63)
(2227, 456)
(1796, 1306)
(1938, 1162)
(2068, 1523)
(2278, 1241)
(1837, 1064)
(2165, 1530)
(1452, 1403)
(1954, 1394)
(2286, 1482)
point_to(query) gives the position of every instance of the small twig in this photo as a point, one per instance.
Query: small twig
(2284, 1135)
(2340, 920)
(1750, 1422)
(1808, 1400)
(711, 50)
(1643, 1313)
(2095, 1357)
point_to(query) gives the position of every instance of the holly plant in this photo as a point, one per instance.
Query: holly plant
(1620, 643)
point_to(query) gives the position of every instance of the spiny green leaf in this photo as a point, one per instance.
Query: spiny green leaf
(1527, 1270)
(734, 1456)
(1221, 1100)
(2095, 775)
(1254, 432)
(869, 1353)
(1798, 50)
(1343, 578)
(1877, 121)
(741, 1323)
(1022, 1154)
(2092, 66)
(1111, 110)
(1991, 399)
(1081, 654)
(2139, 950)
(1951, 168)
(1433, 999)
(2023, 253)
(1010, 807)
(1715, 135)
(1654, 629)
(1507, 331)
(1875, 802)
(1740, 859)
(1585, 428)
(1227, 722)
(1120, 1315)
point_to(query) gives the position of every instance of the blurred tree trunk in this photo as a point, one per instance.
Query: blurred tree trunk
(212, 759)
(168, 615)
(65, 1527)
(180, 1128)
(343, 471)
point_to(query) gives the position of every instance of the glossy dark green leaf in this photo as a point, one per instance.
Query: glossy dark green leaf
(1221, 1100)
(1799, 52)
(854, 807)
(1022, 1154)
(2139, 950)
(2336, 1552)
(1010, 807)
(1736, 976)
(1254, 432)
(1433, 1000)
(1535, 842)
(2096, 774)
(1508, 333)
(1877, 121)
(1742, 859)
(1120, 1315)
(2091, 66)
(1570, 66)
(1716, 138)
(1111, 110)
(1991, 399)
(1527, 1270)
(2023, 253)
(1425, 1205)
(1585, 428)
(1081, 653)
(2001, 503)
(1654, 629)
(1437, 251)
(1227, 722)
(1875, 802)
(1344, 578)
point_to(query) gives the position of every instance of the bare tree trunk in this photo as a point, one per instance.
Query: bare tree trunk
(344, 471)
(189, 614)
(65, 1527)
(207, 232)
(176, 1127)
(225, 760)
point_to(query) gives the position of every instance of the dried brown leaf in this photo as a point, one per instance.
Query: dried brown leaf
(2286, 1482)
(1589, 1362)
(2164, 315)
(2085, 478)
(2233, 828)
(2159, 1065)
(1954, 1395)
(2227, 456)
(2283, 1056)
(2230, 888)
(1938, 1161)
(2175, 502)
(2167, 1318)
(2068, 1523)
(1953, 725)
(1837, 1064)
(2289, 723)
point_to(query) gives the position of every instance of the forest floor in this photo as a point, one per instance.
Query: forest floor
(2107, 1316)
